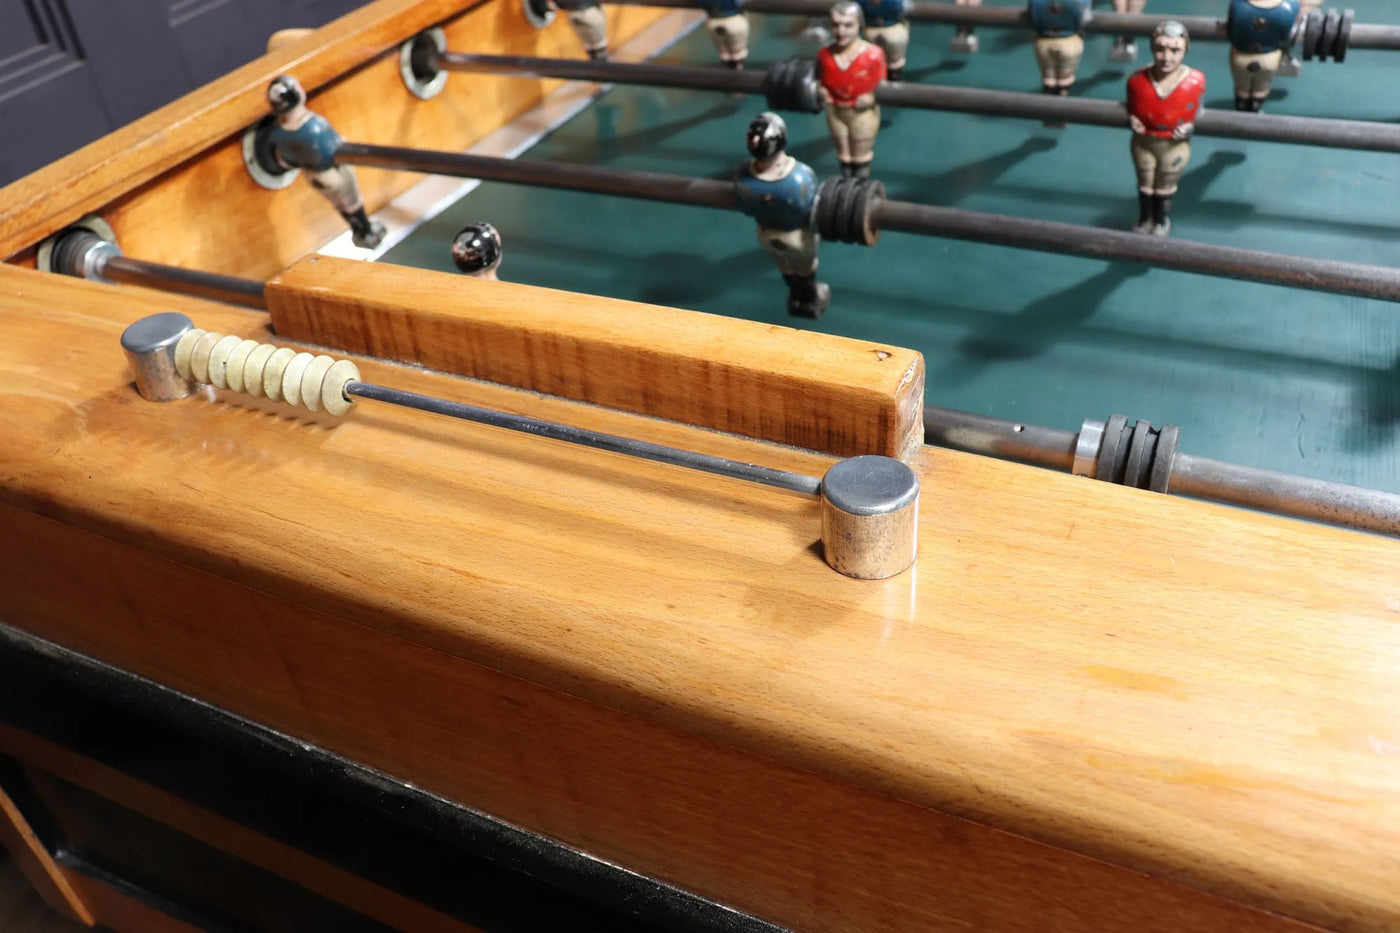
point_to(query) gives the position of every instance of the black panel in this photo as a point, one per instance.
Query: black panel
(459, 861)
(183, 875)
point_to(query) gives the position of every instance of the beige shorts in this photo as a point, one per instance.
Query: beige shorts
(853, 130)
(730, 34)
(1058, 58)
(337, 183)
(1159, 162)
(1129, 6)
(591, 26)
(892, 40)
(795, 251)
(1254, 74)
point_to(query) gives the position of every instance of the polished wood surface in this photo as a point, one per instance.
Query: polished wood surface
(1085, 702)
(844, 397)
(184, 160)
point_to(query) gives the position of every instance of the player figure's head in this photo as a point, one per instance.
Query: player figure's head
(476, 250)
(846, 19)
(1170, 40)
(285, 94)
(767, 137)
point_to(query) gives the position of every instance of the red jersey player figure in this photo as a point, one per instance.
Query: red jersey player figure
(1164, 100)
(850, 69)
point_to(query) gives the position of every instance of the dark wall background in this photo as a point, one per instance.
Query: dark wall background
(73, 70)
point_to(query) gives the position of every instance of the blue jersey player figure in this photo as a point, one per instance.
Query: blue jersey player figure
(589, 23)
(1259, 31)
(886, 26)
(1059, 45)
(728, 27)
(781, 193)
(304, 140)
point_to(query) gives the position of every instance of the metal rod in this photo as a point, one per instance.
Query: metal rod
(721, 466)
(578, 69)
(226, 288)
(1201, 28)
(1191, 476)
(1325, 275)
(646, 186)
(1229, 124)
(1286, 494)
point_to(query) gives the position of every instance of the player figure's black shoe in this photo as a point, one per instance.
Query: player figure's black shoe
(806, 296)
(365, 233)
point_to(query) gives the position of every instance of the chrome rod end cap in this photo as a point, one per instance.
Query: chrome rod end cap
(149, 345)
(870, 517)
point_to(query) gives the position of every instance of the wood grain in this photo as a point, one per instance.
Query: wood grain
(150, 178)
(658, 667)
(840, 396)
(48, 877)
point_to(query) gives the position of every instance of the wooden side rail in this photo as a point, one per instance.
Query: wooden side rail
(840, 396)
(149, 179)
(1085, 707)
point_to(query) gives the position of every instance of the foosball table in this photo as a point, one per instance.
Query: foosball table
(629, 590)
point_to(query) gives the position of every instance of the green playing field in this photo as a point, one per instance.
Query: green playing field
(1290, 380)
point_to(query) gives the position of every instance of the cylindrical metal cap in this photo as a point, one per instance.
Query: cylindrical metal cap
(870, 517)
(150, 350)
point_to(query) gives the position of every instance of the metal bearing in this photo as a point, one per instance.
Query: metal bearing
(418, 63)
(260, 161)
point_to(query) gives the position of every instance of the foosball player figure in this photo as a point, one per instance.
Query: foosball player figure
(850, 69)
(781, 194)
(963, 39)
(728, 27)
(1164, 100)
(476, 251)
(1058, 43)
(590, 24)
(1258, 30)
(304, 140)
(1124, 48)
(886, 26)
